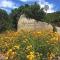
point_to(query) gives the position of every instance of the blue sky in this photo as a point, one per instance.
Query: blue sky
(8, 5)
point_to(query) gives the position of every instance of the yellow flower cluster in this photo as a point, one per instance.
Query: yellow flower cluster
(29, 47)
(16, 43)
(17, 46)
(31, 56)
(10, 54)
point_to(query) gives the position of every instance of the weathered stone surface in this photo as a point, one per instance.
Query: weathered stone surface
(58, 29)
(31, 24)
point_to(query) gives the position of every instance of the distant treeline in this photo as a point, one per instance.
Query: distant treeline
(9, 21)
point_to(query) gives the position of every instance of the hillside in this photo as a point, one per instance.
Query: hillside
(34, 11)
(29, 33)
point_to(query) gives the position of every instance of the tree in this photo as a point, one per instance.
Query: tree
(46, 7)
(4, 20)
(34, 11)
(14, 17)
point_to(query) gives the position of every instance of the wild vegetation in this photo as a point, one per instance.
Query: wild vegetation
(32, 45)
(28, 45)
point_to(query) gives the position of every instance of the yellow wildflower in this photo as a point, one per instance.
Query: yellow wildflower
(39, 32)
(31, 56)
(6, 58)
(17, 46)
(10, 50)
(29, 47)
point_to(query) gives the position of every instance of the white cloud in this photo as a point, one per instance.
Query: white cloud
(7, 4)
(51, 6)
(42, 4)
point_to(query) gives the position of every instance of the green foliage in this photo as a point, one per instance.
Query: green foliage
(34, 11)
(4, 20)
(31, 11)
(53, 18)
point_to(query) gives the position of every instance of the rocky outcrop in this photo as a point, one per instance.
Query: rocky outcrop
(31, 24)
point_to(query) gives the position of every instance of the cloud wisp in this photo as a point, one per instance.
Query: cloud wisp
(7, 4)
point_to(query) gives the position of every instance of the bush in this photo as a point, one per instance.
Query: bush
(5, 22)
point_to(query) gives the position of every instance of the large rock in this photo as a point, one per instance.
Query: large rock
(31, 24)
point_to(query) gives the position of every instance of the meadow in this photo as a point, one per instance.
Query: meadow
(30, 45)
